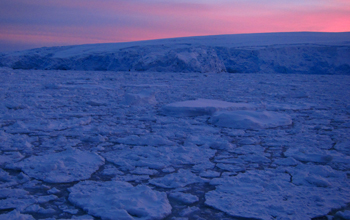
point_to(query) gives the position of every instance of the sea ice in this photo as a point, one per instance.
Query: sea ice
(343, 147)
(250, 119)
(299, 171)
(119, 200)
(10, 157)
(203, 107)
(16, 215)
(309, 154)
(158, 157)
(185, 198)
(267, 194)
(176, 180)
(146, 140)
(66, 166)
(142, 98)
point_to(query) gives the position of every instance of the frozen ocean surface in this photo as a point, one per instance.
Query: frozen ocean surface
(109, 145)
(178, 129)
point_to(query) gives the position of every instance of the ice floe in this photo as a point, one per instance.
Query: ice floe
(15, 214)
(309, 154)
(185, 198)
(142, 98)
(150, 140)
(265, 194)
(250, 119)
(203, 107)
(176, 180)
(158, 157)
(66, 166)
(121, 200)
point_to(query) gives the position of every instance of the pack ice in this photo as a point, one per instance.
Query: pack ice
(120, 200)
(66, 166)
(181, 144)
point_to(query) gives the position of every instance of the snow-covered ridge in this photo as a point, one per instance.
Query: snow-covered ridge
(304, 52)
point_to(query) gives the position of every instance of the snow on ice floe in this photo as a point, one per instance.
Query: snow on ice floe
(10, 157)
(309, 154)
(21, 199)
(145, 140)
(15, 214)
(114, 199)
(176, 180)
(343, 147)
(250, 119)
(66, 166)
(291, 194)
(158, 157)
(142, 98)
(185, 198)
(286, 106)
(203, 107)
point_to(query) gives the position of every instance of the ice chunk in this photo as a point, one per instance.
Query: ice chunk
(209, 174)
(187, 211)
(7, 192)
(203, 107)
(315, 175)
(144, 171)
(111, 200)
(309, 154)
(185, 198)
(15, 215)
(343, 215)
(111, 170)
(150, 140)
(10, 157)
(249, 149)
(289, 161)
(343, 147)
(250, 119)
(17, 202)
(141, 98)
(66, 166)
(158, 157)
(130, 178)
(176, 180)
(53, 191)
(231, 168)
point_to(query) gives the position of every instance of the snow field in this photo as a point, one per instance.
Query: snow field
(130, 145)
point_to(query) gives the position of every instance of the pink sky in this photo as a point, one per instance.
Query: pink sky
(36, 23)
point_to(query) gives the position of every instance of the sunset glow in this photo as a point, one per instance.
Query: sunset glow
(36, 23)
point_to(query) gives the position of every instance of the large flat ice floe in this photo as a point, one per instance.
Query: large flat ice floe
(250, 119)
(203, 107)
(66, 166)
(120, 200)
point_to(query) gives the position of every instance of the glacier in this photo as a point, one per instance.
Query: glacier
(306, 53)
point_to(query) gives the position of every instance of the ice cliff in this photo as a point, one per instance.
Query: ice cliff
(311, 53)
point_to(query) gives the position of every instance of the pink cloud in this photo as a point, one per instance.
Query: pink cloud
(90, 21)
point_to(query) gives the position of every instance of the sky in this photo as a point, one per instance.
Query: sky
(26, 24)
